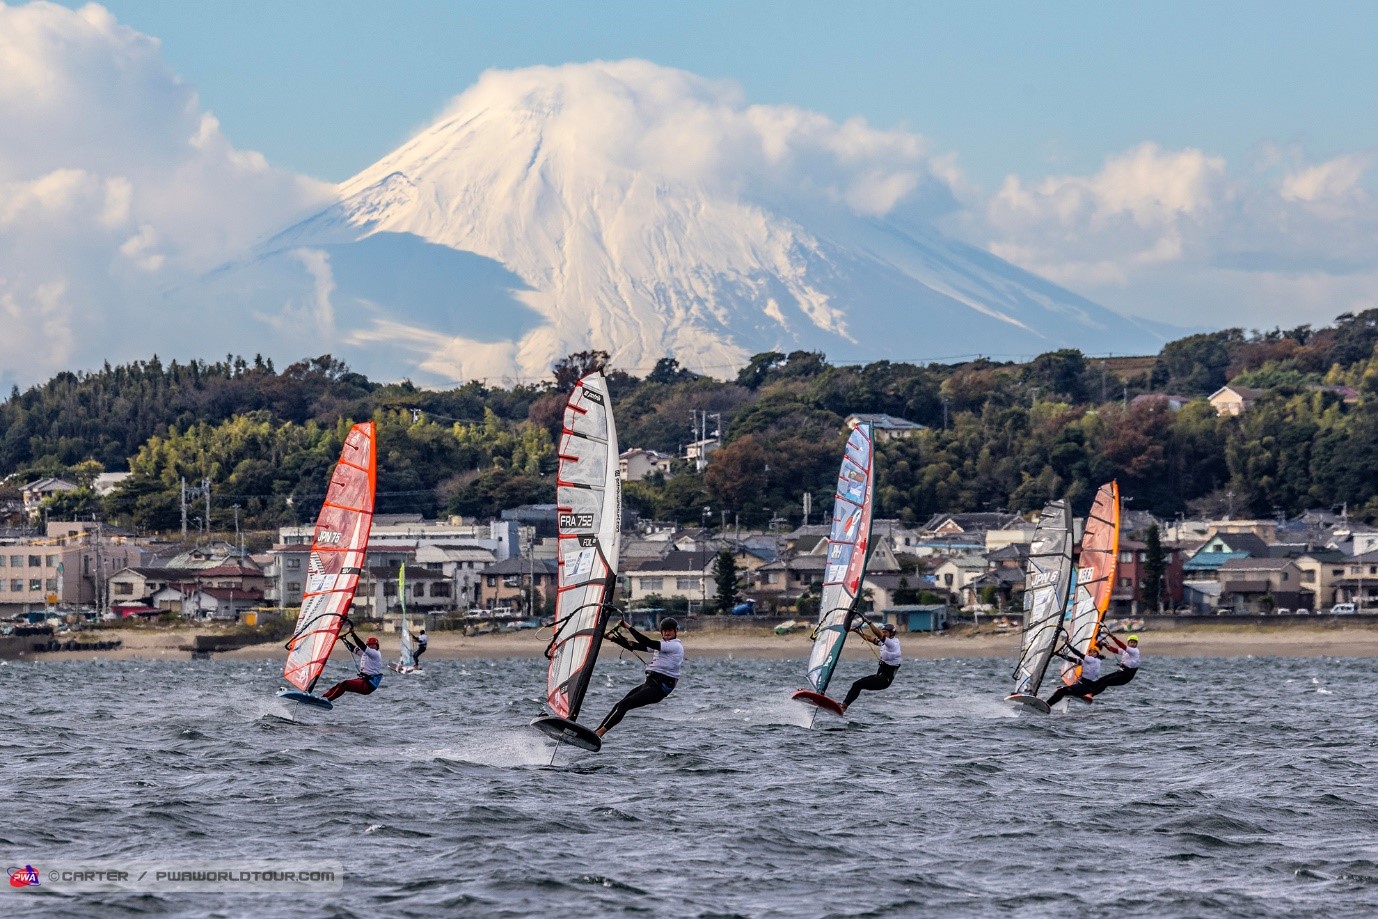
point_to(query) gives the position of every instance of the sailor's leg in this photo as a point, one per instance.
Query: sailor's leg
(648, 693)
(357, 684)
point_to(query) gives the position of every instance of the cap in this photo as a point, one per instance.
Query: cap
(372, 642)
(1132, 638)
(888, 627)
(668, 623)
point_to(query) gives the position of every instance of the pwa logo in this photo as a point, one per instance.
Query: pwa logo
(23, 877)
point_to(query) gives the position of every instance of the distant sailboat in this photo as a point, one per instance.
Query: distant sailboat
(1047, 581)
(338, 546)
(1097, 562)
(406, 656)
(848, 544)
(589, 507)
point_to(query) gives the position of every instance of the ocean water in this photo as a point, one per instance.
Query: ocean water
(1229, 787)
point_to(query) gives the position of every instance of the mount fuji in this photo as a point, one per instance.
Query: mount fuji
(647, 212)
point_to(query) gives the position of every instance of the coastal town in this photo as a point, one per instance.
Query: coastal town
(480, 576)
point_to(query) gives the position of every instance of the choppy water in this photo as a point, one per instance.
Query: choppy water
(1241, 787)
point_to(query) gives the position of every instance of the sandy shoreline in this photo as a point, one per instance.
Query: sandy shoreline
(1195, 641)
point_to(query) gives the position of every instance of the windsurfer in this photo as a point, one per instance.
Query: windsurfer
(370, 662)
(1090, 672)
(889, 662)
(662, 673)
(1128, 651)
(420, 649)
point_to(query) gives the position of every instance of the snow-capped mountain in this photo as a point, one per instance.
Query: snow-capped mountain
(650, 213)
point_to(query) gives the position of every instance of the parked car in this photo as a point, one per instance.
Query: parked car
(1302, 611)
(1283, 611)
(1343, 609)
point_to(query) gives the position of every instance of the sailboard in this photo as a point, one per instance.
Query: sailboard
(406, 654)
(1097, 563)
(1047, 580)
(338, 545)
(848, 545)
(588, 499)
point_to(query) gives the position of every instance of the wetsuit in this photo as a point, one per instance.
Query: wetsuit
(421, 642)
(370, 663)
(1129, 666)
(1090, 672)
(662, 673)
(884, 675)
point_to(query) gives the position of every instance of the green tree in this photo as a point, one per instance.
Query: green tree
(1155, 570)
(725, 575)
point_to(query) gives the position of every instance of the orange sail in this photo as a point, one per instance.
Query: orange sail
(337, 557)
(1096, 567)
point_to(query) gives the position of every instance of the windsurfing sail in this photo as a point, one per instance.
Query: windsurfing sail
(588, 497)
(1095, 576)
(1047, 579)
(337, 557)
(406, 660)
(848, 544)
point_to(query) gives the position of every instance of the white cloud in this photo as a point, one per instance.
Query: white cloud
(701, 132)
(114, 186)
(1181, 237)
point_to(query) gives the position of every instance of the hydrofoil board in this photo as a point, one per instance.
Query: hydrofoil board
(818, 700)
(1028, 701)
(570, 732)
(305, 698)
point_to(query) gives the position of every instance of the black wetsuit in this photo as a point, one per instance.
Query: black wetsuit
(1118, 678)
(881, 679)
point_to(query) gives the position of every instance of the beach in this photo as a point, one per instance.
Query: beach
(1327, 638)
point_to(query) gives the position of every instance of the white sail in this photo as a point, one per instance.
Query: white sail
(589, 507)
(1047, 580)
(848, 545)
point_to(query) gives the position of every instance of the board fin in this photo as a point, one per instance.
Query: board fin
(818, 700)
(570, 732)
(1028, 701)
(305, 698)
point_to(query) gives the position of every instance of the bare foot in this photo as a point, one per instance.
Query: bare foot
(600, 731)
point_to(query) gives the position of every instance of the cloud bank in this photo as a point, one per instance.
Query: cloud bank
(116, 186)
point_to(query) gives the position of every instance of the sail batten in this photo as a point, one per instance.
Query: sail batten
(848, 544)
(1047, 580)
(588, 512)
(1097, 564)
(338, 545)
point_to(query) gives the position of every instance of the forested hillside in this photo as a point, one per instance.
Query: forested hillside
(998, 435)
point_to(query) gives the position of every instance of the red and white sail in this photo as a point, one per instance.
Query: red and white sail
(589, 500)
(338, 546)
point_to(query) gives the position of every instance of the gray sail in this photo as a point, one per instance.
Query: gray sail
(1047, 581)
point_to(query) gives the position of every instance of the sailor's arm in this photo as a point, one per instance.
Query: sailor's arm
(646, 643)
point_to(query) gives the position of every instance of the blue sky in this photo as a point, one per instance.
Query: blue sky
(326, 88)
(1201, 165)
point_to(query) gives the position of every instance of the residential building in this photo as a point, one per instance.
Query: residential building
(1262, 585)
(37, 491)
(1234, 400)
(636, 464)
(886, 427)
(509, 583)
(677, 575)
